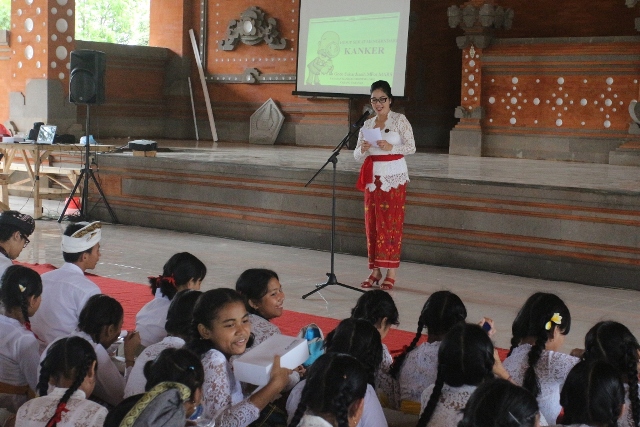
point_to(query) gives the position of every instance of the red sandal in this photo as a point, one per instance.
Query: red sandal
(370, 282)
(388, 283)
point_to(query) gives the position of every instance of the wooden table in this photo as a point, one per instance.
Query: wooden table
(33, 158)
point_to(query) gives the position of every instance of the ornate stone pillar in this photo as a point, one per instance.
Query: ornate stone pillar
(42, 38)
(479, 19)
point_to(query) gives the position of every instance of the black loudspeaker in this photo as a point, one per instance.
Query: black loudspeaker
(86, 80)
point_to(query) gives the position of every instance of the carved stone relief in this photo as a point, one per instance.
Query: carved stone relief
(252, 28)
(266, 123)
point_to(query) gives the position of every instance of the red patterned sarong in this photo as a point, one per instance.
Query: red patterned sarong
(383, 219)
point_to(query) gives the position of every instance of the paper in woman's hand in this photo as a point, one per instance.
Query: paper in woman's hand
(372, 136)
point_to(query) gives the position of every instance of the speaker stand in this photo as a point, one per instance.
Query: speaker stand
(85, 174)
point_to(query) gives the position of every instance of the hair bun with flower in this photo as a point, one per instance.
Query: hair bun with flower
(556, 318)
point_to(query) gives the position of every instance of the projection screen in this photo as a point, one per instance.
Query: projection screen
(345, 45)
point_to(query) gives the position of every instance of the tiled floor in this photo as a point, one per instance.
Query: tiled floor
(133, 253)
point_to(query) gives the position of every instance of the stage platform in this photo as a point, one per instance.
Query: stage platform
(554, 220)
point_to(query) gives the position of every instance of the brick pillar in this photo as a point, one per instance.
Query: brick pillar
(42, 38)
(479, 19)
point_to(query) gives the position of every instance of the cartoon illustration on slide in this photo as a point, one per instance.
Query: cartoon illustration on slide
(328, 48)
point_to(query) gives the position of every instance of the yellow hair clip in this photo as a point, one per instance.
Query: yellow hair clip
(22, 288)
(556, 318)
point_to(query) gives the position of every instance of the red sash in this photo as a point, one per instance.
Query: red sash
(366, 171)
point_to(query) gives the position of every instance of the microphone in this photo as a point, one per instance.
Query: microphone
(362, 118)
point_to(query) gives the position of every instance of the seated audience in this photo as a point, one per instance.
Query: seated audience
(173, 392)
(334, 393)
(592, 395)
(15, 229)
(182, 271)
(536, 363)
(21, 293)
(100, 324)
(178, 326)
(69, 366)
(360, 339)
(221, 329)
(500, 403)
(67, 290)
(465, 360)
(377, 307)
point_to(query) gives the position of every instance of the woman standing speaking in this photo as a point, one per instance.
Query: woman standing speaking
(383, 178)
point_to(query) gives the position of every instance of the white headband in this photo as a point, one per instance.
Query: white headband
(83, 239)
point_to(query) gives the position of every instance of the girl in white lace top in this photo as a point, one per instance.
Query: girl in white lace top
(535, 363)
(465, 360)
(383, 179)
(416, 368)
(70, 365)
(334, 393)
(221, 330)
(592, 395)
(378, 308)
(614, 343)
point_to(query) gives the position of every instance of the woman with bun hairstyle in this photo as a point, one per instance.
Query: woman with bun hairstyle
(182, 271)
(70, 365)
(383, 179)
(592, 395)
(334, 393)
(536, 363)
(465, 360)
(21, 294)
(416, 367)
(614, 343)
(500, 403)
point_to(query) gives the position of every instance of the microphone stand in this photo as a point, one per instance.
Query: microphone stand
(331, 277)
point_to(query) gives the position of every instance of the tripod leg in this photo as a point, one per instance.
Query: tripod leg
(73, 192)
(114, 219)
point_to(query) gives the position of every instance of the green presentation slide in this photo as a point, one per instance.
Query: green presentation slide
(352, 50)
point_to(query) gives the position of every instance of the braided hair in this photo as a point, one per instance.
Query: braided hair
(177, 272)
(334, 383)
(374, 306)
(100, 312)
(541, 327)
(441, 312)
(207, 307)
(593, 394)
(614, 343)
(465, 357)
(69, 358)
(19, 284)
(520, 324)
(498, 402)
(175, 365)
(360, 339)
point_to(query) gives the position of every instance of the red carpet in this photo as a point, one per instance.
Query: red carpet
(133, 296)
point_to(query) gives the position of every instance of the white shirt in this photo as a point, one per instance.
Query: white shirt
(19, 360)
(313, 421)
(82, 412)
(261, 329)
(450, 406)
(387, 387)
(552, 370)
(137, 382)
(5, 263)
(65, 291)
(222, 394)
(393, 173)
(419, 371)
(372, 415)
(151, 319)
(109, 381)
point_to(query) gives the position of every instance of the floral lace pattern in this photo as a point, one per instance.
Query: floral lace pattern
(419, 371)
(449, 409)
(552, 370)
(394, 173)
(82, 412)
(386, 386)
(261, 329)
(222, 395)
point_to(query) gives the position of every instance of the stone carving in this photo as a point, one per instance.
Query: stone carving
(464, 113)
(251, 29)
(266, 123)
(631, 3)
(488, 16)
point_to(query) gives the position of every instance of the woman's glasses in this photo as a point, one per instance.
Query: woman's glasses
(381, 100)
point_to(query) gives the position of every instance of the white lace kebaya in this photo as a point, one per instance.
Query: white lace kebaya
(449, 409)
